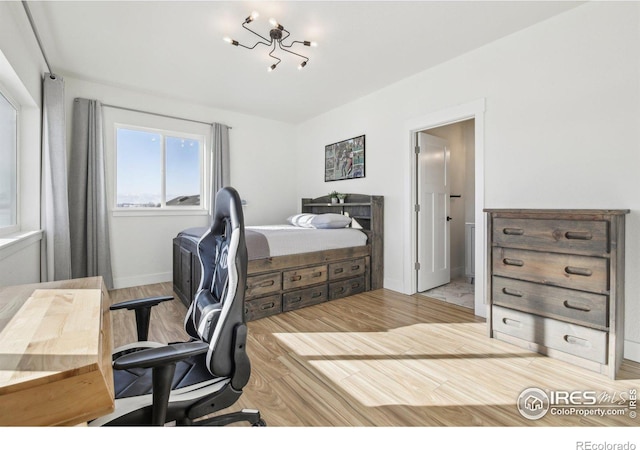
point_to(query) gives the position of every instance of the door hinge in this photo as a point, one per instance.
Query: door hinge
(417, 208)
(417, 266)
(417, 149)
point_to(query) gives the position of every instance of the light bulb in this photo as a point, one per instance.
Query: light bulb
(273, 22)
(302, 64)
(227, 39)
(314, 44)
(272, 68)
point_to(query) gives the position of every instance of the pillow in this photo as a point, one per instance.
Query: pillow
(320, 221)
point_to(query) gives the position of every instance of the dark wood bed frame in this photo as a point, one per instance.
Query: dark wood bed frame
(285, 283)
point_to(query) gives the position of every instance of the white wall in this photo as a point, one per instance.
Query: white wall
(561, 129)
(261, 168)
(21, 70)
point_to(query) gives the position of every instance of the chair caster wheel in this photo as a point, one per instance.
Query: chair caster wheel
(260, 423)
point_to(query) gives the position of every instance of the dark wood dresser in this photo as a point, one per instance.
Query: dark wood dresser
(556, 283)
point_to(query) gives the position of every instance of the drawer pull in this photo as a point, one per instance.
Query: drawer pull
(512, 322)
(513, 262)
(576, 341)
(338, 270)
(578, 235)
(316, 295)
(316, 274)
(355, 285)
(513, 231)
(512, 292)
(295, 278)
(578, 307)
(267, 283)
(340, 290)
(355, 267)
(578, 271)
(267, 306)
(296, 299)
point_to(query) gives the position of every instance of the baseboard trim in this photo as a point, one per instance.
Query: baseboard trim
(141, 280)
(632, 351)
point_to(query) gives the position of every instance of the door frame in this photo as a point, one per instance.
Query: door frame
(473, 110)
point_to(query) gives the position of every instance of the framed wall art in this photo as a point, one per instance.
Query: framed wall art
(344, 160)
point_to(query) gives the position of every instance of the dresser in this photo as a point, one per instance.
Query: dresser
(556, 283)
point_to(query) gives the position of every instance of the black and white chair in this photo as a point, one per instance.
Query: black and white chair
(180, 383)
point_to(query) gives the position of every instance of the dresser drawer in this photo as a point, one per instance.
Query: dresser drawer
(304, 297)
(569, 338)
(585, 273)
(579, 307)
(260, 285)
(555, 235)
(346, 269)
(345, 288)
(292, 279)
(262, 307)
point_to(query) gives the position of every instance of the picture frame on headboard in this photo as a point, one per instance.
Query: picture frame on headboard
(345, 159)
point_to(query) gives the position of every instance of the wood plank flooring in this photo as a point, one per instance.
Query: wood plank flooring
(383, 359)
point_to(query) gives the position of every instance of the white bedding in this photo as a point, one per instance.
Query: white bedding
(288, 239)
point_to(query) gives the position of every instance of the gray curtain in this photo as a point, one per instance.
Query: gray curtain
(88, 212)
(54, 207)
(220, 172)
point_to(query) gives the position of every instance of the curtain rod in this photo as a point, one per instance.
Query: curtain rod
(158, 114)
(35, 32)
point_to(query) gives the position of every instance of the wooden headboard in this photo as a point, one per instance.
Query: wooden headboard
(368, 211)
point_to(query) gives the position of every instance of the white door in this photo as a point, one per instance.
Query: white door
(433, 212)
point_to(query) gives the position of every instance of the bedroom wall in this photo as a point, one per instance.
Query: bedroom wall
(561, 130)
(21, 69)
(261, 168)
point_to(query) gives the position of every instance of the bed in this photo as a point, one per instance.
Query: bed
(295, 265)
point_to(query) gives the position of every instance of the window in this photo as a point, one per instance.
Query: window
(8, 165)
(158, 169)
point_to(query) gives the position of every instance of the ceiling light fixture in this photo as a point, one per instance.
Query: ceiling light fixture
(277, 35)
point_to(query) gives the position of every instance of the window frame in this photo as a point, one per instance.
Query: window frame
(16, 227)
(163, 208)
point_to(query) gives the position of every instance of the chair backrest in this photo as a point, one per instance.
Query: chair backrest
(218, 307)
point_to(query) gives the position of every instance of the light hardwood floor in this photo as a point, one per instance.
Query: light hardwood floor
(385, 359)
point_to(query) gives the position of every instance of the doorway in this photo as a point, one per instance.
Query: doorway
(445, 211)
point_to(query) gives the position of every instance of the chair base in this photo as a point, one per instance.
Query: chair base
(246, 415)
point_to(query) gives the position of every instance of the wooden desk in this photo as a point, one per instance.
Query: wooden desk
(55, 353)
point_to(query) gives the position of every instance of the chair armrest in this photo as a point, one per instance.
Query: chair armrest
(142, 308)
(160, 356)
(162, 361)
(140, 303)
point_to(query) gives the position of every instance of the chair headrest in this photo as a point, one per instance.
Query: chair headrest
(228, 207)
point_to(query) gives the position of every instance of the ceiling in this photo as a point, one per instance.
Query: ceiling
(175, 49)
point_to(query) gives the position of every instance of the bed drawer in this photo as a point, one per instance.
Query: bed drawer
(262, 307)
(345, 288)
(586, 273)
(304, 297)
(292, 279)
(555, 235)
(565, 304)
(569, 338)
(346, 269)
(259, 285)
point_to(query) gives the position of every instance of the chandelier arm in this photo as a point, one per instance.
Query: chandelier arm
(274, 57)
(291, 45)
(254, 45)
(268, 41)
(289, 51)
(288, 34)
